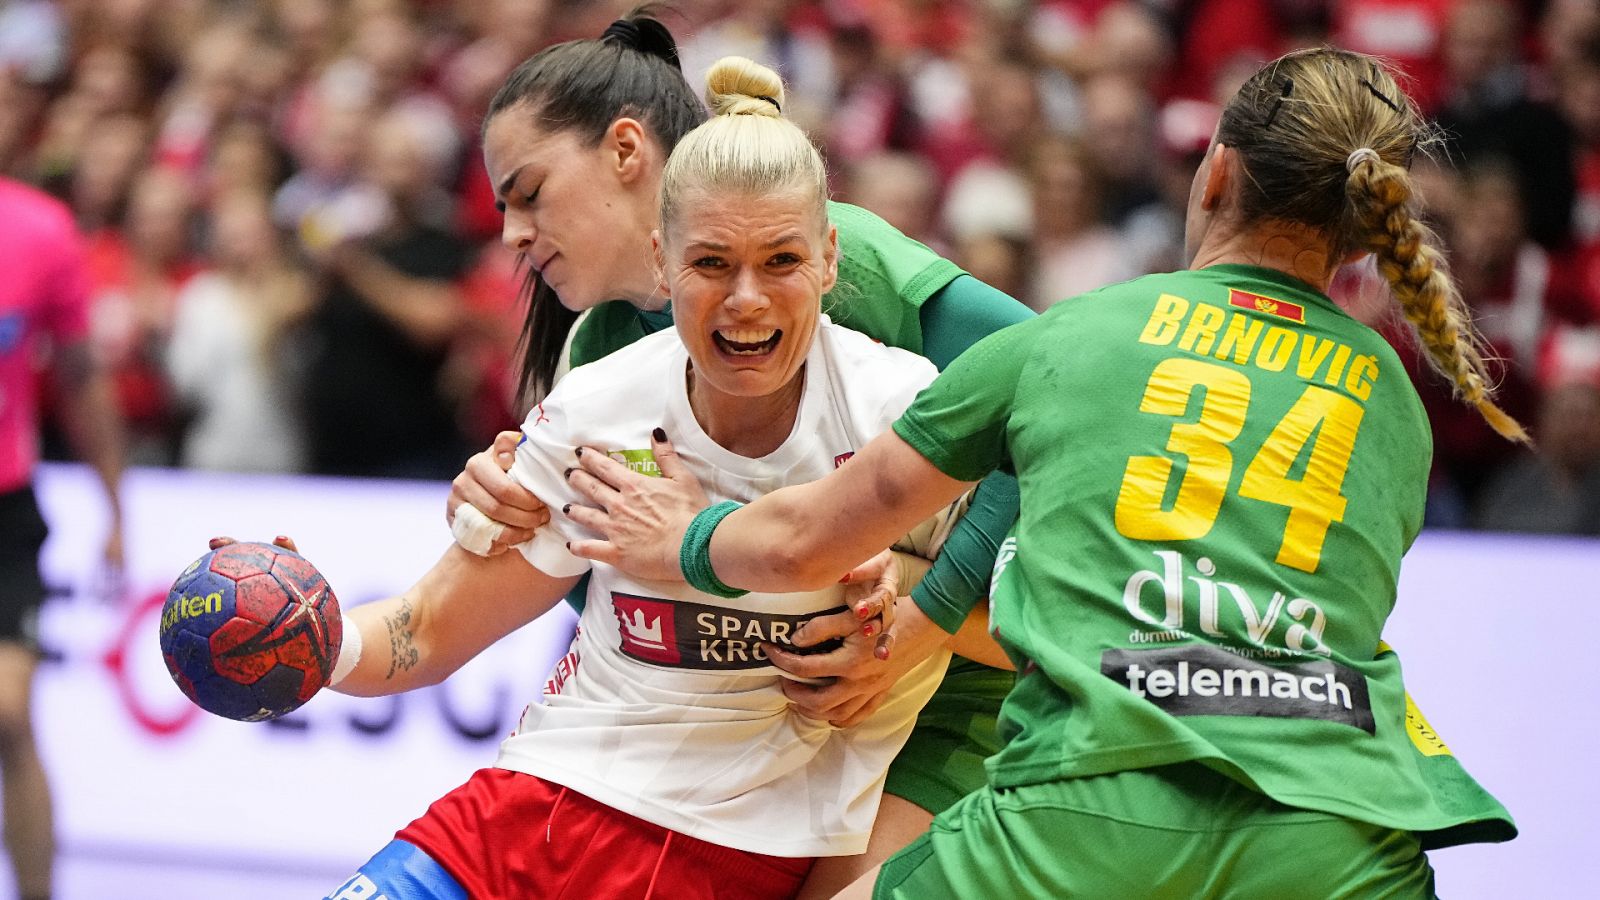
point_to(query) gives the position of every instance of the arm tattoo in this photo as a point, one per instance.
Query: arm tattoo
(402, 650)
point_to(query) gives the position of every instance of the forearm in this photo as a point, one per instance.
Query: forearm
(92, 421)
(461, 606)
(806, 536)
(968, 637)
(973, 641)
(960, 575)
(427, 310)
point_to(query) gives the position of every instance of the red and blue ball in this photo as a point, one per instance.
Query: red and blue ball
(250, 631)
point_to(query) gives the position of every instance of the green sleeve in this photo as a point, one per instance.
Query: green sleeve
(959, 578)
(961, 313)
(959, 422)
(611, 326)
(884, 278)
(976, 390)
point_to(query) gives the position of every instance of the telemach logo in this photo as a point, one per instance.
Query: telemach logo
(1201, 680)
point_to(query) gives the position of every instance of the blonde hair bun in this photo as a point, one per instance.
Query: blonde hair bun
(736, 86)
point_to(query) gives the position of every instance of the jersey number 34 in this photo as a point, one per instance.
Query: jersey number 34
(1327, 419)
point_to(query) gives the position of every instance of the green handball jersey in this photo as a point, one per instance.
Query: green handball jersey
(1220, 471)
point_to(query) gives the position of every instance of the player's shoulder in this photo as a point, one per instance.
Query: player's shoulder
(865, 360)
(611, 388)
(627, 365)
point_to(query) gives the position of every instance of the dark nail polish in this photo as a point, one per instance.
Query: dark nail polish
(578, 452)
(566, 509)
(565, 474)
(660, 434)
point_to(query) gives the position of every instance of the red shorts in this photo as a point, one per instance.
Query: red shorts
(507, 834)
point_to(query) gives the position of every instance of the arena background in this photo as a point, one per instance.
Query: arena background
(228, 148)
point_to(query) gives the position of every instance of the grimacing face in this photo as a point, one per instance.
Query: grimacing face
(565, 209)
(746, 274)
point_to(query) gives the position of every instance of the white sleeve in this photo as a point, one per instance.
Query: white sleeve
(545, 453)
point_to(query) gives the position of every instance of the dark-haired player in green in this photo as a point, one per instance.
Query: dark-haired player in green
(1220, 471)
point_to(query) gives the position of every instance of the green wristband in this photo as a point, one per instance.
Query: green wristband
(694, 555)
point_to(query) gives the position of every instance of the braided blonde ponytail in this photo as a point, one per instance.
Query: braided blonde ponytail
(1325, 136)
(1405, 249)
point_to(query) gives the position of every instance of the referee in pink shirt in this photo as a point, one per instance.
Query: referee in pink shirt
(44, 298)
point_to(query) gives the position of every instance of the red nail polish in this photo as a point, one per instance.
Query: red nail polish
(863, 611)
(845, 579)
(869, 629)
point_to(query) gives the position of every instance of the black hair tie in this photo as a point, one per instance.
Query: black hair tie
(626, 33)
(775, 104)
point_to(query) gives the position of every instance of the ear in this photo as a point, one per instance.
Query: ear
(658, 259)
(628, 147)
(1219, 177)
(830, 259)
(1354, 256)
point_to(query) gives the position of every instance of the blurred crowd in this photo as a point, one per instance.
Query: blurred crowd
(294, 245)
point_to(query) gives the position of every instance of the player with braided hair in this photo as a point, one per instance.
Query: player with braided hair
(1292, 178)
(1194, 598)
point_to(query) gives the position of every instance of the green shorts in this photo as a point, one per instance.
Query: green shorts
(1174, 832)
(943, 760)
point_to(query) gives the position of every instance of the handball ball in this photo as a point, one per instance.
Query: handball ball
(250, 631)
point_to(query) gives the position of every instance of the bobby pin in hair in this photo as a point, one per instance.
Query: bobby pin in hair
(1379, 94)
(774, 103)
(1288, 85)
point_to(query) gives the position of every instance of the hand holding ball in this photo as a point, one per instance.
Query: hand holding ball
(251, 631)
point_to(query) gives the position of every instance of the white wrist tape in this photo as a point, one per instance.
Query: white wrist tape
(349, 653)
(474, 531)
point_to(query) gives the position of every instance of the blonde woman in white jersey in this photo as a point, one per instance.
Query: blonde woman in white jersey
(664, 760)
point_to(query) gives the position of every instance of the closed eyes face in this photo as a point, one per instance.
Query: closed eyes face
(746, 275)
(564, 209)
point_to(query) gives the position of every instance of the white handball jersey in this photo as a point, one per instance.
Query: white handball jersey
(666, 708)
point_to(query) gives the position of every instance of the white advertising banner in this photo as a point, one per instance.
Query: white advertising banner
(156, 799)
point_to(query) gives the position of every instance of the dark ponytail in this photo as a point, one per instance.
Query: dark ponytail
(631, 70)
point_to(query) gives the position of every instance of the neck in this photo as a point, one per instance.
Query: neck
(1294, 250)
(749, 426)
(642, 290)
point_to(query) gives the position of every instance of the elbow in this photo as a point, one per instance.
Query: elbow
(799, 564)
